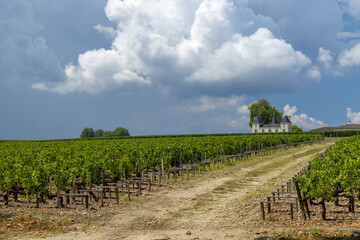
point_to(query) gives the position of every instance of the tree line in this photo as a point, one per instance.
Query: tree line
(90, 133)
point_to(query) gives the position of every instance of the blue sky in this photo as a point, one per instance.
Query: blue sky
(174, 66)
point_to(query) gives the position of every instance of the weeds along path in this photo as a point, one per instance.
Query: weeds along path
(214, 205)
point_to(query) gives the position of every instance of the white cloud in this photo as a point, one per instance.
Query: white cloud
(108, 31)
(325, 57)
(290, 111)
(244, 110)
(352, 7)
(98, 71)
(354, 117)
(350, 57)
(303, 120)
(242, 58)
(314, 73)
(211, 47)
(348, 35)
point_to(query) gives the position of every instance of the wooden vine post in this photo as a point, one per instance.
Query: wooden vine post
(6, 198)
(162, 166)
(58, 193)
(181, 166)
(187, 172)
(90, 180)
(74, 188)
(37, 197)
(300, 200)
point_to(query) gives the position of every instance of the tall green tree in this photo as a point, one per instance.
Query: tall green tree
(121, 132)
(99, 133)
(87, 133)
(265, 111)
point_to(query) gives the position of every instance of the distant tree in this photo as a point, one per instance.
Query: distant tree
(87, 133)
(296, 129)
(108, 134)
(121, 132)
(265, 111)
(99, 133)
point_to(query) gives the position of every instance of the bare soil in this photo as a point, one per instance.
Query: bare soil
(219, 204)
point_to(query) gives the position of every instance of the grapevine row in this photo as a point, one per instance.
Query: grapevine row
(333, 175)
(36, 166)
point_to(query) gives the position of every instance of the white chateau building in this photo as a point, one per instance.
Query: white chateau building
(284, 126)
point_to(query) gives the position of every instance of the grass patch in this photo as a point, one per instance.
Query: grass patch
(249, 162)
(274, 164)
(229, 186)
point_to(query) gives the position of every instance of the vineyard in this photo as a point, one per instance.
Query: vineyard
(181, 187)
(43, 167)
(333, 176)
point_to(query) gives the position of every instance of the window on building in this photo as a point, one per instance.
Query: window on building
(255, 130)
(276, 130)
(283, 130)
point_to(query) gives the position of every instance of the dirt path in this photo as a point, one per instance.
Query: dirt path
(223, 203)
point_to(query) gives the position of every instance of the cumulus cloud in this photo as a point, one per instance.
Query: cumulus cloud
(98, 71)
(108, 31)
(354, 117)
(290, 111)
(242, 58)
(209, 47)
(244, 110)
(325, 57)
(351, 57)
(302, 120)
(314, 73)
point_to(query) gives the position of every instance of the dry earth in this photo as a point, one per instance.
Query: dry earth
(218, 204)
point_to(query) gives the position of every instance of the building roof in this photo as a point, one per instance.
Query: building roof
(349, 126)
(322, 129)
(276, 125)
(274, 119)
(286, 119)
(257, 120)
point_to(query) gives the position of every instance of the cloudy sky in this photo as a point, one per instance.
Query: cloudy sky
(175, 66)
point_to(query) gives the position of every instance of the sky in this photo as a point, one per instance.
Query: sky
(174, 66)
